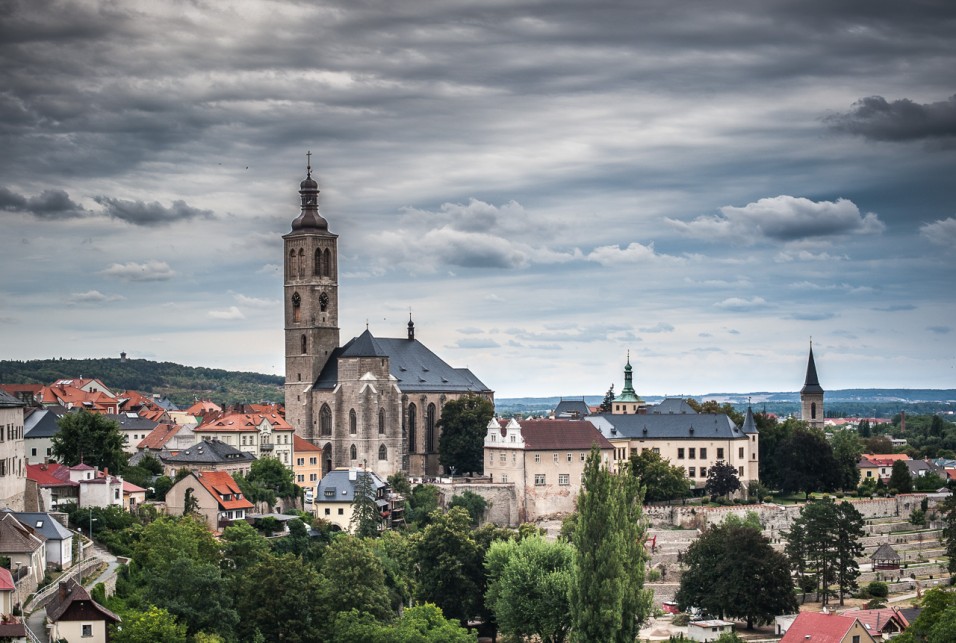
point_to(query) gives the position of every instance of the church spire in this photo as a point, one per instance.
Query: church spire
(812, 383)
(309, 217)
(628, 394)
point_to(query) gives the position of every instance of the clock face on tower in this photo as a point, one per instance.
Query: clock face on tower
(296, 299)
(323, 301)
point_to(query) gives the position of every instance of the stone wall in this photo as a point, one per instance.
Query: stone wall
(502, 502)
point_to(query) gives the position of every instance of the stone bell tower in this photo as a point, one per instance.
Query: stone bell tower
(311, 301)
(811, 396)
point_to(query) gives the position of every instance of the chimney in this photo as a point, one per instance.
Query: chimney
(64, 590)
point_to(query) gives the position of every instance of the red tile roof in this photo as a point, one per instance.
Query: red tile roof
(158, 437)
(877, 620)
(214, 481)
(129, 487)
(241, 422)
(6, 580)
(561, 434)
(301, 444)
(50, 475)
(202, 407)
(817, 627)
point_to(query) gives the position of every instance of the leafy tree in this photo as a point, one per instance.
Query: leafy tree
(242, 547)
(733, 571)
(929, 482)
(399, 483)
(90, 438)
(161, 487)
(365, 516)
(848, 547)
(722, 479)
(713, 406)
(936, 621)
(396, 552)
(751, 519)
(471, 502)
(805, 462)
(148, 626)
(267, 479)
(167, 539)
(864, 430)
(450, 565)
(194, 592)
(606, 596)
(528, 584)
(772, 437)
(607, 404)
(948, 512)
(418, 624)
(353, 577)
(900, 479)
(279, 601)
(421, 505)
(847, 450)
(463, 425)
(661, 480)
(879, 444)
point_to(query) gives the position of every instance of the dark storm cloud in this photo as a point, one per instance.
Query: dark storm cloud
(150, 214)
(901, 120)
(49, 204)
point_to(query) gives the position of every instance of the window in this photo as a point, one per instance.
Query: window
(325, 420)
(328, 512)
(304, 346)
(691, 472)
(88, 630)
(301, 477)
(539, 479)
(353, 422)
(564, 479)
(569, 457)
(313, 460)
(656, 450)
(292, 270)
(583, 456)
(504, 458)
(680, 454)
(740, 471)
(430, 429)
(703, 472)
(856, 638)
(300, 462)
(491, 459)
(740, 452)
(353, 452)
(382, 453)
(703, 453)
(720, 453)
(296, 307)
(381, 421)
(690, 453)
(504, 478)
(813, 412)
(555, 458)
(412, 421)
(537, 457)
(327, 263)
(341, 511)
(33, 452)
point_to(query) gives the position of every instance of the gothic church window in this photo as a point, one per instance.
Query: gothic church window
(382, 453)
(327, 263)
(353, 422)
(430, 429)
(301, 263)
(317, 263)
(412, 421)
(325, 420)
(813, 410)
(304, 345)
(292, 269)
(353, 452)
(381, 421)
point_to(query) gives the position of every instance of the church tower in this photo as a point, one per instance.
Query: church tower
(311, 304)
(811, 396)
(628, 402)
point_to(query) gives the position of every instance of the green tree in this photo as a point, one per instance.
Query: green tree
(805, 462)
(167, 539)
(418, 624)
(148, 626)
(161, 486)
(242, 547)
(365, 517)
(421, 505)
(471, 502)
(354, 577)
(528, 585)
(606, 596)
(733, 571)
(607, 404)
(936, 621)
(947, 511)
(89, 438)
(713, 406)
(848, 547)
(279, 599)
(900, 479)
(847, 450)
(463, 425)
(195, 593)
(450, 568)
(878, 444)
(267, 480)
(722, 479)
(661, 480)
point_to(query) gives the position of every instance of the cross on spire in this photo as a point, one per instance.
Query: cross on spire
(308, 163)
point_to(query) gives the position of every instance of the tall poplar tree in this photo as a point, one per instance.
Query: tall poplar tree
(607, 597)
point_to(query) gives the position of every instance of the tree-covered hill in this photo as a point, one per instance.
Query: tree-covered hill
(181, 384)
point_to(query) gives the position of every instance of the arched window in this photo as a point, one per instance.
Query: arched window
(412, 422)
(382, 453)
(325, 420)
(323, 302)
(353, 422)
(317, 262)
(381, 421)
(301, 263)
(292, 269)
(296, 307)
(353, 452)
(327, 263)
(813, 410)
(326, 459)
(430, 429)
(304, 345)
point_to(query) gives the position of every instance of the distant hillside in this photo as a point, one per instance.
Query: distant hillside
(181, 384)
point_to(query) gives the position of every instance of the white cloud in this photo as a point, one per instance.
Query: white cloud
(255, 302)
(781, 218)
(941, 232)
(231, 313)
(92, 296)
(633, 253)
(739, 304)
(660, 327)
(132, 271)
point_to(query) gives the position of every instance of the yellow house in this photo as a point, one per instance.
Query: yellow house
(306, 463)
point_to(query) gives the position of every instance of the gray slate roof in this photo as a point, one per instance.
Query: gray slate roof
(671, 406)
(208, 452)
(750, 425)
(41, 424)
(578, 408)
(44, 524)
(416, 368)
(131, 422)
(9, 401)
(341, 488)
(669, 427)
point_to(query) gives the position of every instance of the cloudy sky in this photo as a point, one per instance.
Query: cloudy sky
(546, 185)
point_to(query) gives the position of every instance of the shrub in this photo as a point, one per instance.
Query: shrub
(653, 575)
(768, 498)
(681, 619)
(839, 494)
(878, 589)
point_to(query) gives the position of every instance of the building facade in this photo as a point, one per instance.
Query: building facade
(12, 453)
(373, 402)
